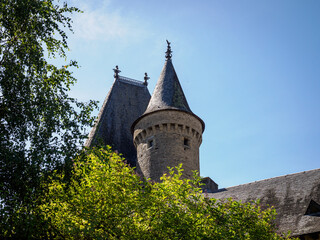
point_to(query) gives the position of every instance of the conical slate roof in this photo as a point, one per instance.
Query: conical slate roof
(168, 93)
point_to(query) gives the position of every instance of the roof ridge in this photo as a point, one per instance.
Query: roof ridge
(131, 81)
(267, 179)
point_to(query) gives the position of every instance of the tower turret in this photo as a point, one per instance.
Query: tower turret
(168, 133)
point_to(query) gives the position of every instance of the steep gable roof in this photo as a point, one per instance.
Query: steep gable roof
(290, 195)
(125, 102)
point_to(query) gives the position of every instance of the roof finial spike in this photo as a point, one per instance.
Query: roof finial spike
(116, 72)
(146, 78)
(168, 52)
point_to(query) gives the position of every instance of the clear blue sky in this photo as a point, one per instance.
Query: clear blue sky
(250, 69)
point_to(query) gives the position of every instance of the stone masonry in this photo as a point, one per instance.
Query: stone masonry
(165, 139)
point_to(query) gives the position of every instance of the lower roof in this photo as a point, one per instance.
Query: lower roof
(291, 195)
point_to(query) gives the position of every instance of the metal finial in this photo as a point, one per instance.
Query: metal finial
(116, 72)
(168, 52)
(146, 78)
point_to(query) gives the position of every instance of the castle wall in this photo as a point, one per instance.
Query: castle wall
(167, 138)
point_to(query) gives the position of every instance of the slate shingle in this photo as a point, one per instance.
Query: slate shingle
(290, 195)
(125, 102)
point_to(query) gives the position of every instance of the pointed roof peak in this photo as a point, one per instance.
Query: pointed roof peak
(168, 93)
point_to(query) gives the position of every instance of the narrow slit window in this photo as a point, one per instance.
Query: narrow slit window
(150, 143)
(186, 142)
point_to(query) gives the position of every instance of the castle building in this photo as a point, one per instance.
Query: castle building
(154, 132)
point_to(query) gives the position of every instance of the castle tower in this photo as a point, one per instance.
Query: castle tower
(168, 133)
(125, 102)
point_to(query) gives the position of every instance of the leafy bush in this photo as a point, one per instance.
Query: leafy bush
(107, 200)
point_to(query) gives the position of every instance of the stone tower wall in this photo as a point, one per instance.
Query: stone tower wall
(167, 138)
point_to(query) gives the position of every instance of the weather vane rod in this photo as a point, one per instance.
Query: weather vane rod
(168, 52)
(146, 78)
(116, 72)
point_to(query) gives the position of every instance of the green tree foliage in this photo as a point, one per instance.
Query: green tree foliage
(41, 127)
(107, 200)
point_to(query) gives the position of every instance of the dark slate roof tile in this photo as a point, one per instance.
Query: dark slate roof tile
(125, 102)
(168, 94)
(289, 194)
